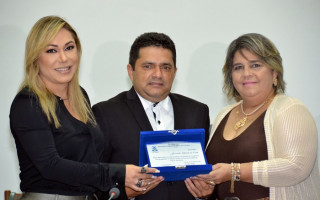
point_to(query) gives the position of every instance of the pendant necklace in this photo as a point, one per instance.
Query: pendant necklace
(243, 121)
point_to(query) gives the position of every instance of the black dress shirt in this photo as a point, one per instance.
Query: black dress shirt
(59, 161)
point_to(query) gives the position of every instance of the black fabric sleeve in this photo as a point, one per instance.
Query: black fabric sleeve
(102, 121)
(34, 135)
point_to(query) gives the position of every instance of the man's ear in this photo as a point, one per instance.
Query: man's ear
(175, 71)
(130, 71)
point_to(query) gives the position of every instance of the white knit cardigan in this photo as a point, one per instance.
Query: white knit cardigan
(291, 171)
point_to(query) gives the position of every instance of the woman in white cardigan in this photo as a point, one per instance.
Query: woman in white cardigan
(265, 145)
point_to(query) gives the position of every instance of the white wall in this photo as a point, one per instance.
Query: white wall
(201, 30)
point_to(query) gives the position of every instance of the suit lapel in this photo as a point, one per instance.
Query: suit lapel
(178, 112)
(137, 110)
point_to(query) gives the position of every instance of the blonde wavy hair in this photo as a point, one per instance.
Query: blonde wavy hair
(41, 34)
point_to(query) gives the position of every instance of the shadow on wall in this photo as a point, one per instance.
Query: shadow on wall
(12, 55)
(109, 70)
(206, 67)
(317, 120)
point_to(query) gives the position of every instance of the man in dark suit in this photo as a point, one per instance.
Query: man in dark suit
(148, 105)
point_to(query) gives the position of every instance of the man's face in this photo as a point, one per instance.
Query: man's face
(154, 73)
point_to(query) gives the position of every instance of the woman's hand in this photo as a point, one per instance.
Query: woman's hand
(202, 185)
(220, 173)
(139, 180)
(199, 188)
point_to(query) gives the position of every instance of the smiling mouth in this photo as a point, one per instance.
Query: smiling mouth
(63, 69)
(248, 83)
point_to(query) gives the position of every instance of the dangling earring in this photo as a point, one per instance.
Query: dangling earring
(275, 82)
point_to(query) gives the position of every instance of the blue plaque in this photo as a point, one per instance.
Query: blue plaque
(178, 154)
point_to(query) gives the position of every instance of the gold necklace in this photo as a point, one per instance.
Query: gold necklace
(243, 121)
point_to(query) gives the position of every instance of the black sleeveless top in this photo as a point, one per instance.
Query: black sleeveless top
(249, 146)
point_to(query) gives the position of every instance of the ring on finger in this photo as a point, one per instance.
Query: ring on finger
(209, 182)
(143, 170)
(139, 183)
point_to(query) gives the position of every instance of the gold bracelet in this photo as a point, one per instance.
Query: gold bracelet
(235, 175)
(232, 178)
(237, 172)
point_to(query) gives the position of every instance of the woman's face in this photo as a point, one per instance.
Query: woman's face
(59, 61)
(251, 77)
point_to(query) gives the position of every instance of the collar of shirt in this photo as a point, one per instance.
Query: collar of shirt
(163, 113)
(164, 104)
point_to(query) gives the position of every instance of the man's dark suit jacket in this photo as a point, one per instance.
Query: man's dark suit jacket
(122, 117)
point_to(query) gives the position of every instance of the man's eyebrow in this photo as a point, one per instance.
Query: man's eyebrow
(147, 62)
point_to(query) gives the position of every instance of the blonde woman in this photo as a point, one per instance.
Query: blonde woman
(58, 142)
(264, 146)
